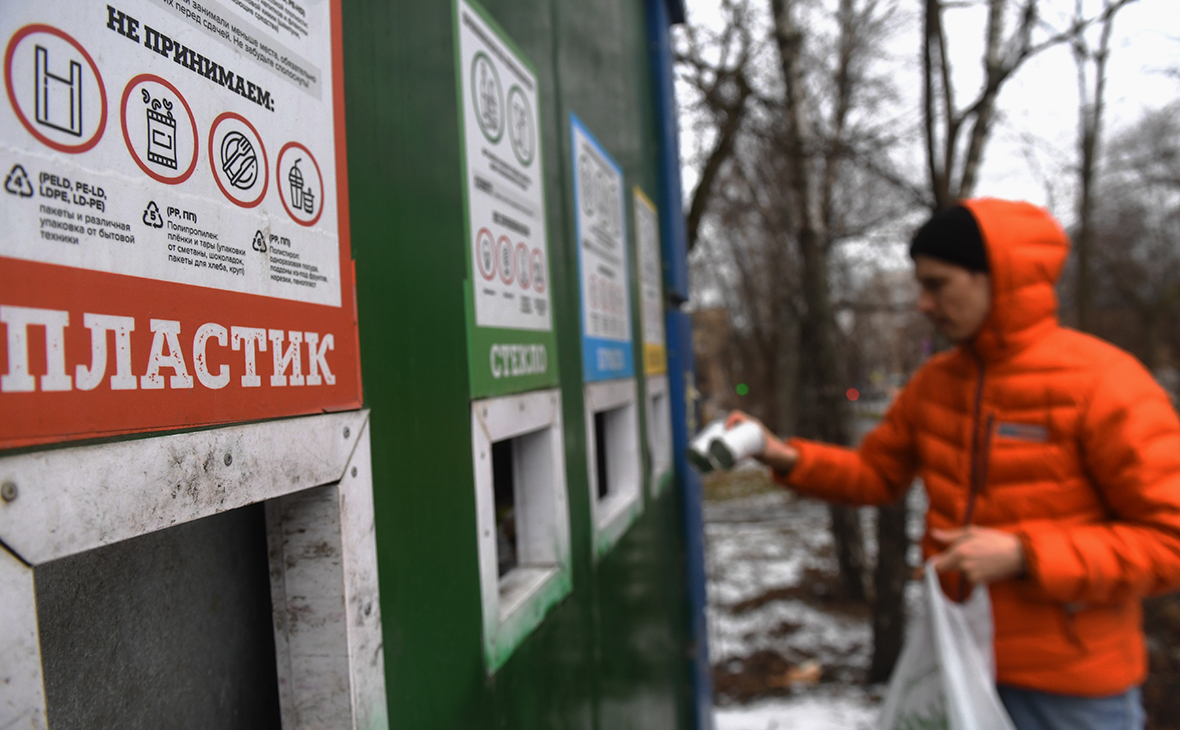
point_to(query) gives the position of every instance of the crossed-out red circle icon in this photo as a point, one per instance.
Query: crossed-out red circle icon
(538, 261)
(506, 260)
(237, 158)
(485, 254)
(524, 273)
(156, 137)
(57, 100)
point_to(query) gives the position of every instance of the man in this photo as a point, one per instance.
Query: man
(1051, 462)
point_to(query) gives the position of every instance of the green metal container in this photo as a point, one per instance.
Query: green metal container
(614, 649)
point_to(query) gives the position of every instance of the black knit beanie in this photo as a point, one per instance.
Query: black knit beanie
(952, 235)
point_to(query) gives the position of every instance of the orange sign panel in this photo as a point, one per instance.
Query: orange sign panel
(174, 249)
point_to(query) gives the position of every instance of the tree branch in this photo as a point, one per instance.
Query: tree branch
(722, 149)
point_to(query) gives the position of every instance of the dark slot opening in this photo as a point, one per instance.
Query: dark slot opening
(170, 629)
(505, 490)
(600, 453)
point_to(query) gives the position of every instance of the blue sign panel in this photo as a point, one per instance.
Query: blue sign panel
(603, 266)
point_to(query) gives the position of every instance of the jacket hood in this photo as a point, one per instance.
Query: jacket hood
(1026, 251)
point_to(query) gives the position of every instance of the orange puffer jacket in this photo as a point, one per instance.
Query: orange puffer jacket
(1055, 436)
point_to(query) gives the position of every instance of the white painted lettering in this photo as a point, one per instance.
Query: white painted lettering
(611, 359)
(290, 357)
(497, 367)
(249, 336)
(167, 332)
(19, 319)
(509, 361)
(167, 353)
(89, 378)
(316, 359)
(201, 359)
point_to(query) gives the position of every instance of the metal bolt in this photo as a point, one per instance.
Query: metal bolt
(229, 459)
(346, 432)
(354, 471)
(8, 491)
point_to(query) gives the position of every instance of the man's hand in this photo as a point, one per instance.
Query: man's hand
(778, 454)
(983, 554)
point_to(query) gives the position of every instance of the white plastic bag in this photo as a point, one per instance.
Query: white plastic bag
(945, 677)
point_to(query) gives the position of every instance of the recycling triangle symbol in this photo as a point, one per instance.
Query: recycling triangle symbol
(18, 183)
(259, 242)
(151, 216)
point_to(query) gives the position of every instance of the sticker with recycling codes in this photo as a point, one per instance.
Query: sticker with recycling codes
(113, 105)
(511, 342)
(174, 250)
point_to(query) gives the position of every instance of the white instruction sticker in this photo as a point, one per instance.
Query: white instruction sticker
(647, 229)
(185, 141)
(504, 176)
(606, 297)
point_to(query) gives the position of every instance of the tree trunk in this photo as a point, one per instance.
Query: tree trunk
(786, 372)
(823, 412)
(889, 581)
(823, 409)
(1090, 130)
(850, 551)
(727, 132)
(1085, 238)
(985, 106)
(825, 416)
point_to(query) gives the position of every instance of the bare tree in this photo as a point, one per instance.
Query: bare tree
(717, 65)
(1136, 230)
(797, 161)
(755, 222)
(748, 262)
(1136, 294)
(821, 137)
(1091, 65)
(809, 169)
(956, 134)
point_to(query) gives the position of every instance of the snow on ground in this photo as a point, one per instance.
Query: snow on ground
(787, 650)
(851, 709)
(759, 551)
